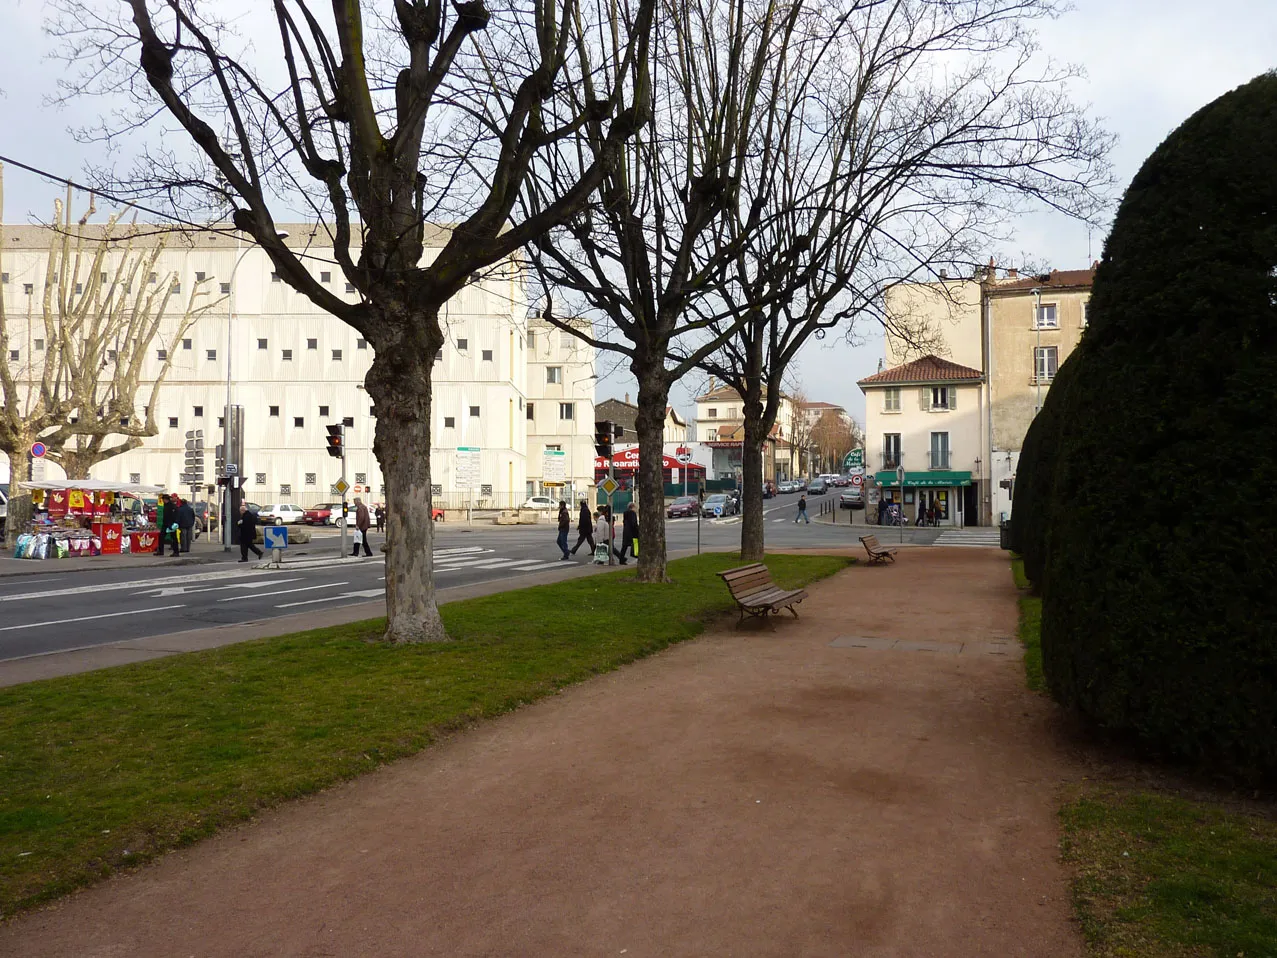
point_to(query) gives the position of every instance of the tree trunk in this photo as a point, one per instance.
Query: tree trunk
(399, 383)
(653, 394)
(17, 473)
(751, 530)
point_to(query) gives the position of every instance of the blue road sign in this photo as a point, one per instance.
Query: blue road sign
(38, 449)
(275, 537)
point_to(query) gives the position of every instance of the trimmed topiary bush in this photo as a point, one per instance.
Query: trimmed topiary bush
(1160, 578)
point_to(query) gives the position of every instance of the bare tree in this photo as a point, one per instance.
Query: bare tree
(377, 124)
(833, 436)
(640, 259)
(98, 319)
(887, 168)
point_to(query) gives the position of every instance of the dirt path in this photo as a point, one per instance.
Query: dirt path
(750, 793)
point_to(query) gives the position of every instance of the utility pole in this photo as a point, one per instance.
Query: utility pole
(337, 449)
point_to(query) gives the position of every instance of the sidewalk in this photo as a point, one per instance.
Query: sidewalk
(870, 780)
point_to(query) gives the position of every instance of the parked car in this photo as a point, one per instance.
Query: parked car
(788, 487)
(205, 516)
(281, 513)
(540, 502)
(717, 506)
(683, 507)
(851, 499)
(817, 487)
(324, 514)
(841, 482)
(4, 506)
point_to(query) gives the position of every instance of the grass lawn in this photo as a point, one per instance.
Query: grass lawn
(1158, 875)
(1030, 628)
(108, 769)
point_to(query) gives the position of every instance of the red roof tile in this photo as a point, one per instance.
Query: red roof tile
(1056, 279)
(928, 369)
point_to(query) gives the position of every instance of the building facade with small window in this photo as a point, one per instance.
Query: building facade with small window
(925, 416)
(296, 368)
(559, 411)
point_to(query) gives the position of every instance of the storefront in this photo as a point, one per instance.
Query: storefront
(938, 494)
(85, 517)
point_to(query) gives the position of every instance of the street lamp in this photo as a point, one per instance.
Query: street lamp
(1037, 352)
(226, 422)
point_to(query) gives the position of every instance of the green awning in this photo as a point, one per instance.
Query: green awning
(933, 477)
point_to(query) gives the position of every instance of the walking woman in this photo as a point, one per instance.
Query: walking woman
(629, 533)
(584, 528)
(565, 526)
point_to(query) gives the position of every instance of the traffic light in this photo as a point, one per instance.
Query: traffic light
(194, 460)
(219, 459)
(603, 438)
(335, 440)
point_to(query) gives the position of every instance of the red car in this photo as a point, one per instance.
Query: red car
(322, 514)
(683, 506)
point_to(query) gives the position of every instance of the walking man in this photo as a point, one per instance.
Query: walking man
(185, 525)
(172, 531)
(629, 533)
(247, 532)
(380, 515)
(363, 522)
(161, 506)
(802, 510)
(584, 528)
(565, 526)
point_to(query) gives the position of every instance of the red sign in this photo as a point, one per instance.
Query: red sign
(628, 459)
(57, 503)
(142, 541)
(857, 480)
(110, 533)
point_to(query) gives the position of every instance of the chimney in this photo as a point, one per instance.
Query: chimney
(944, 274)
(627, 399)
(1013, 274)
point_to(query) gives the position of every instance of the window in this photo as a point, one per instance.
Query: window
(531, 417)
(262, 344)
(211, 354)
(939, 450)
(274, 410)
(567, 411)
(372, 410)
(566, 339)
(124, 420)
(323, 410)
(713, 412)
(102, 278)
(79, 288)
(172, 422)
(1045, 363)
(554, 448)
(361, 478)
(731, 412)
(325, 276)
(554, 374)
(111, 354)
(175, 289)
(312, 344)
(286, 489)
(186, 344)
(152, 278)
(226, 288)
(944, 397)
(299, 422)
(463, 345)
(487, 356)
(1086, 314)
(274, 277)
(439, 355)
(135, 478)
(39, 345)
(336, 355)
(221, 422)
(200, 276)
(350, 287)
(532, 339)
(1045, 317)
(4, 277)
(310, 478)
(287, 355)
(474, 411)
(199, 412)
(891, 399)
(29, 289)
(13, 355)
(890, 450)
(161, 354)
(449, 422)
(260, 478)
(361, 344)
(348, 421)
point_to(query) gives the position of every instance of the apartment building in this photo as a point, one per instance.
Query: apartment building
(295, 368)
(559, 411)
(719, 427)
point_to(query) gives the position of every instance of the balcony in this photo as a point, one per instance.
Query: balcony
(890, 460)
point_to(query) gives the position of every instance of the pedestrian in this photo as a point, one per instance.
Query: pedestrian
(602, 531)
(363, 522)
(802, 510)
(172, 531)
(161, 506)
(247, 532)
(629, 533)
(584, 528)
(882, 512)
(380, 516)
(565, 526)
(185, 525)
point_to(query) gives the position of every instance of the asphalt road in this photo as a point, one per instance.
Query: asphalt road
(81, 609)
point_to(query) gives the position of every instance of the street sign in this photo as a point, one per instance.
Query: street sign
(684, 457)
(468, 463)
(341, 487)
(609, 486)
(232, 469)
(900, 475)
(275, 537)
(854, 460)
(857, 480)
(554, 466)
(38, 449)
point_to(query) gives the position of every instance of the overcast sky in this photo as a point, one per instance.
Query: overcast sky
(1149, 64)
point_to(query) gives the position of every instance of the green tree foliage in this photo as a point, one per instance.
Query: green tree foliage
(1160, 576)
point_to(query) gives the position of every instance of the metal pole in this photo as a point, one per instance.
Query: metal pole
(1037, 352)
(226, 422)
(345, 521)
(611, 520)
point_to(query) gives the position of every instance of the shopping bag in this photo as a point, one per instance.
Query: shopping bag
(358, 537)
(636, 547)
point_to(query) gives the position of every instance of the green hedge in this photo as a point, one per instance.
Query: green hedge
(1159, 573)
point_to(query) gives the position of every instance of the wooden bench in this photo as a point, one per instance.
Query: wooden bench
(877, 552)
(752, 588)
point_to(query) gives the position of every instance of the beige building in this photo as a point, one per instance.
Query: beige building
(720, 426)
(926, 416)
(559, 411)
(1016, 330)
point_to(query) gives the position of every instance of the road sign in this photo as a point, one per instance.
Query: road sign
(609, 486)
(854, 459)
(684, 457)
(275, 537)
(468, 463)
(857, 480)
(554, 466)
(341, 487)
(38, 449)
(900, 475)
(232, 469)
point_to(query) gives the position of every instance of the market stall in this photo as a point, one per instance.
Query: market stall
(85, 517)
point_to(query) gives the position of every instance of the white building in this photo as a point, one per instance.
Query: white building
(720, 426)
(295, 368)
(560, 411)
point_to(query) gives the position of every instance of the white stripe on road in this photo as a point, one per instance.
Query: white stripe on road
(263, 595)
(365, 594)
(135, 584)
(89, 618)
(166, 591)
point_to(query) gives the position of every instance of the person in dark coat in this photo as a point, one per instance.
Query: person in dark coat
(565, 526)
(380, 515)
(363, 522)
(247, 532)
(161, 507)
(584, 528)
(629, 533)
(185, 525)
